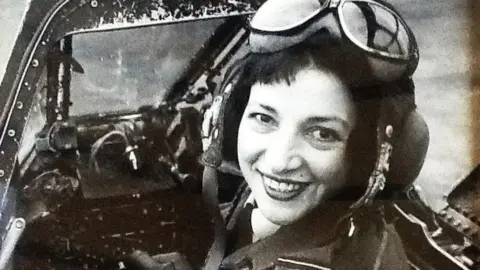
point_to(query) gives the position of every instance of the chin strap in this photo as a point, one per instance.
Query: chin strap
(388, 117)
(377, 180)
(393, 109)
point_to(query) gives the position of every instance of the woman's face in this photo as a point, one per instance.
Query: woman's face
(292, 143)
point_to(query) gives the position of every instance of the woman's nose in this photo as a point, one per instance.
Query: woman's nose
(283, 153)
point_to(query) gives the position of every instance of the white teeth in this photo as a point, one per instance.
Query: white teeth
(267, 181)
(274, 184)
(280, 186)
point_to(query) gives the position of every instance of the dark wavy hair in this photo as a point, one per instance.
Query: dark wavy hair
(350, 65)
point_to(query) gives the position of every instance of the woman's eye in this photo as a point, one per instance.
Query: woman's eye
(263, 118)
(324, 135)
(262, 122)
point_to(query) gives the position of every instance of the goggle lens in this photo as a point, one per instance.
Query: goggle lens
(375, 28)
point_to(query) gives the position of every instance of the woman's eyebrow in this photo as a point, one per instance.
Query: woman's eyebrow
(265, 107)
(323, 119)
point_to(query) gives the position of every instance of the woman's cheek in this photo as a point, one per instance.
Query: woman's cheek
(250, 142)
(330, 167)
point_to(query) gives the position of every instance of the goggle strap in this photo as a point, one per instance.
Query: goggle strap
(212, 159)
(279, 41)
(213, 155)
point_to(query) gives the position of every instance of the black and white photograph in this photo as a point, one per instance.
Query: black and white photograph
(240, 134)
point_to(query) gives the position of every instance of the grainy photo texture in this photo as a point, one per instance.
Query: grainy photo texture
(246, 134)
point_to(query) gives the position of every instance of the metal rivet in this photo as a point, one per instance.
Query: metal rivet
(2, 173)
(94, 3)
(389, 131)
(11, 132)
(35, 63)
(25, 83)
(20, 224)
(19, 105)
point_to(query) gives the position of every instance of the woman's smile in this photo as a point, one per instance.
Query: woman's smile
(282, 189)
(292, 141)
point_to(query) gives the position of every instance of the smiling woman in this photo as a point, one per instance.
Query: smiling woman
(306, 145)
(310, 117)
(292, 142)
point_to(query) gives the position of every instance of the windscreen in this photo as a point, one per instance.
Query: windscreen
(12, 14)
(125, 69)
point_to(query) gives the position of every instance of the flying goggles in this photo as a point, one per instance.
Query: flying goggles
(371, 25)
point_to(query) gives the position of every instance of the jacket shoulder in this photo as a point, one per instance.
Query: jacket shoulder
(373, 244)
(379, 249)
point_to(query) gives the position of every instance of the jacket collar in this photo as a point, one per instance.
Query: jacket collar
(318, 231)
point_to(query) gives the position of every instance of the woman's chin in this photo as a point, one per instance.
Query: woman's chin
(282, 212)
(282, 218)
